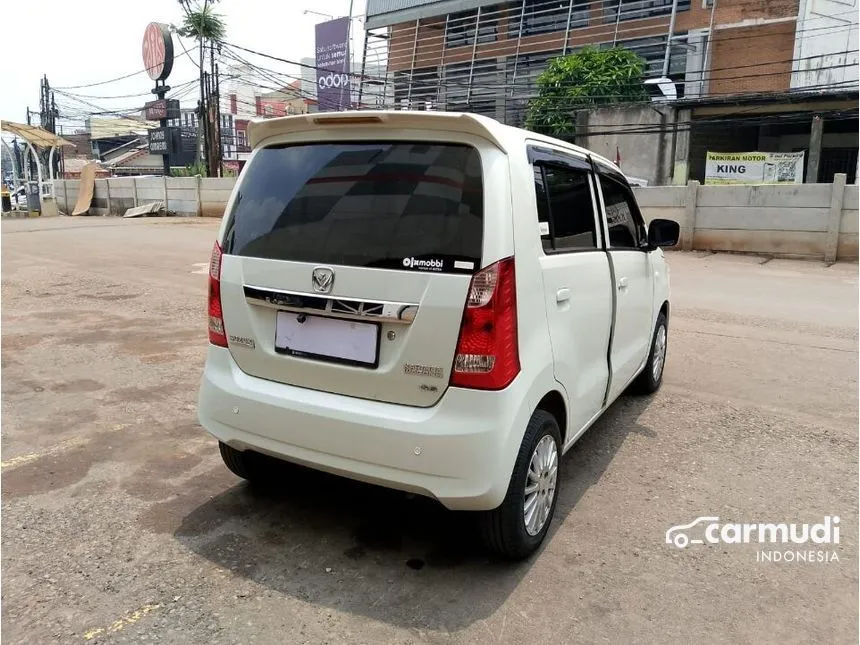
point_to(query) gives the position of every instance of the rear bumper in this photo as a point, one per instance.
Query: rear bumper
(460, 451)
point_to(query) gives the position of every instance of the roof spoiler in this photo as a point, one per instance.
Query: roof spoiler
(261, 130)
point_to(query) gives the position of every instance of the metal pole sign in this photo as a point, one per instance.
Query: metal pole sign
(158, 62)
(162, 141)
(161, 109)
(158, 51)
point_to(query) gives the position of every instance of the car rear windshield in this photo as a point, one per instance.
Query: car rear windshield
(392, 205)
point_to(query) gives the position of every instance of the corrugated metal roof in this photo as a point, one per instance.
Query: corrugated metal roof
(128, 156)
(75, 164)
(36, 136)
(107, 128)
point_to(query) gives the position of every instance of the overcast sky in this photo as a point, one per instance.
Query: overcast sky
(85, 42)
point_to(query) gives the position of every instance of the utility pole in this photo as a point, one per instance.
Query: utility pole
(48, 119)
(203, 111)
(215, 111)
(43, 106)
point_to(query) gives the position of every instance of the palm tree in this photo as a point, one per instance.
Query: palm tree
(201, 22)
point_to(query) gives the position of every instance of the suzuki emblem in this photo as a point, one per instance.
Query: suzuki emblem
(322, 279)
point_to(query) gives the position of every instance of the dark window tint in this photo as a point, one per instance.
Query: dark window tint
(363, 204)
(570, 209)
(613, 10)
(543, 210)
(623, 230)
(463, 27)
(547, 16)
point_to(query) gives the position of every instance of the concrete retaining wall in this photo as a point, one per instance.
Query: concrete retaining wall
(116, 195)
(214, 193)
(806, 220)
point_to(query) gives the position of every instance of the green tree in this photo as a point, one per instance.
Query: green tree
(201, 22)
(588, 78)
(190, 170)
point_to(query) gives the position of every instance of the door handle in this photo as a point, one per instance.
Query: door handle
(562, 295)
(622, 284)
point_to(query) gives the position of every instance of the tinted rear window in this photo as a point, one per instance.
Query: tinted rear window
(411, 206)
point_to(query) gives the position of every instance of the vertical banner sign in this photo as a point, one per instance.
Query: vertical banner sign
(754, 168)
(332, 63)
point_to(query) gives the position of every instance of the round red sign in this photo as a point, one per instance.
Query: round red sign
(157, 51)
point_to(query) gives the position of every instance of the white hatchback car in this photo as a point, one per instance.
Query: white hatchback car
(432, 302)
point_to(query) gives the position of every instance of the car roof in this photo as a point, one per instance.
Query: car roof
(503, 136)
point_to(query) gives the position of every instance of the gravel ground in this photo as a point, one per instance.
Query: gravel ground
(120, 523)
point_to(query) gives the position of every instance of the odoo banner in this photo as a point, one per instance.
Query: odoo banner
(332, 62)
(754, 168)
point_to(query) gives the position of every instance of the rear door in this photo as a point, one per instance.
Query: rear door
(346, 265)
(577, 284)
(633, 277)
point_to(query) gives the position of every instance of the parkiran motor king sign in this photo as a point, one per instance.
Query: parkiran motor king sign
(754, 168)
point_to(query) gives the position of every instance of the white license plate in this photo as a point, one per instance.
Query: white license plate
(331, 339)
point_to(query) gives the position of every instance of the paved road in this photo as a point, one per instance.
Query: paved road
(120, 524)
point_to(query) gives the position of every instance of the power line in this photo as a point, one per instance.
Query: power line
(446, 83)
(110, 80)
(410, 49)
(271, 75)
(126, 96)
(553, 29)
(100, 110)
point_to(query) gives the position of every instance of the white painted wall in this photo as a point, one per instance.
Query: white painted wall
(826, 30)
(240, 81)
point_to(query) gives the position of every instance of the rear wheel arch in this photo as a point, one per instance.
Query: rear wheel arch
(553, 403)
(664, 309)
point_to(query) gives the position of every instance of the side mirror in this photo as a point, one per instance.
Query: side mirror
(663, 232)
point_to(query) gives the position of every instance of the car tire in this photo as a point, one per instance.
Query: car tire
(240, 463)
(505, 529)
(651, 377)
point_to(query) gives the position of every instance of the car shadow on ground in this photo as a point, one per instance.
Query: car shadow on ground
(399, 559)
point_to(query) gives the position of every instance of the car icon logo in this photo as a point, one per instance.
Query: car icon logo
(677, 535)
(322, 280)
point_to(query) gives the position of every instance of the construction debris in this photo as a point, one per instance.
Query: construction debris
(153, 208)
(86, 189)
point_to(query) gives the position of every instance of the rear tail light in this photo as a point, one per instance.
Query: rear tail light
(216, 317)
(487, 355)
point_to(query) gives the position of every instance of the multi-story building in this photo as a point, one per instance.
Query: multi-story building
(768, 75)
(825, 44)
(484, 56)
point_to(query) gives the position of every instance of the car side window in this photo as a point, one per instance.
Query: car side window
(625, 232)
(564, 202)
(543, 210)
